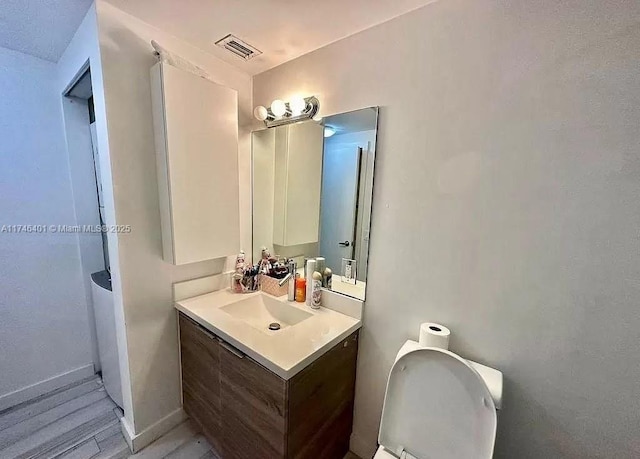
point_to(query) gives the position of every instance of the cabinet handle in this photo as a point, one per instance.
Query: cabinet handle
(231, 349)
(206, 332)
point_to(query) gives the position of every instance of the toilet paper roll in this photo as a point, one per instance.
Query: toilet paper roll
(434, 335)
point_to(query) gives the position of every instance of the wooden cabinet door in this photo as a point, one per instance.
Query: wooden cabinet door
(253, 408)
(200, 354)
(321, 404)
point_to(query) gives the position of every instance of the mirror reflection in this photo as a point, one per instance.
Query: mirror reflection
(312, 192)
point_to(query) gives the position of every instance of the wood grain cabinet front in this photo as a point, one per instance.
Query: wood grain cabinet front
(253, 408)
(320, 404)
(200, 357)
(248, 412)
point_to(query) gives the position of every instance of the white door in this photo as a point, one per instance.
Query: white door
(338, 204)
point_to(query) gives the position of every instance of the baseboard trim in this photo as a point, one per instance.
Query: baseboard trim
(138, 441)
(48, 385)
(360, 447)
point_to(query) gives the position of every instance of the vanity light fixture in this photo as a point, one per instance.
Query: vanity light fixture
(281, 113)
(279, 108)
(261, 113)
(297, 105)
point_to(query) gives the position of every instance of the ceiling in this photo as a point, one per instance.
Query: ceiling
(41, 28)
(281, 29)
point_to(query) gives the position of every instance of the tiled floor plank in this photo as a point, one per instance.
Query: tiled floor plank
(46, 402)
(112, 429)
(193, 449)
(168, 443)
(85, 450)
(47, 395)
(70, 439)
(113, 447)
(60, 427)
(31, 425)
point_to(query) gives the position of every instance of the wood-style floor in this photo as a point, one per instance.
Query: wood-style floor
(80, 421)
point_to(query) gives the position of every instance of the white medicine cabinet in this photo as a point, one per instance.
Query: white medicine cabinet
(196, 138)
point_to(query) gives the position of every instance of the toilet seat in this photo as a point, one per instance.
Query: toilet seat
(436, 405)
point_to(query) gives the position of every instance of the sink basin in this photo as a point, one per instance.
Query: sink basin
(261, 311)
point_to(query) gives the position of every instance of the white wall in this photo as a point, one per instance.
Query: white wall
(149, 317)
(508, 170)
(44, 331)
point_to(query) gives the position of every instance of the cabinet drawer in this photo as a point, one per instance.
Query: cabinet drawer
(253, 403)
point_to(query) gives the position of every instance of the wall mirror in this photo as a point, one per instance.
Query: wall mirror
(312, 193)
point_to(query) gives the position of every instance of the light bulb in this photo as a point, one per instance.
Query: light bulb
(329, 131)
(278, 107)
(297, 105)
(260, 113)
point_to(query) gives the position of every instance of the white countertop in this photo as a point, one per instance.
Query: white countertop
(286, 351)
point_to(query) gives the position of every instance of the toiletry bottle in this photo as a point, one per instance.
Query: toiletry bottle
(349, 271)
(301, 289)
(236, 283)
(320, 264)
(307, 273)
(326, 278)
(240, 262)
(265, 264)
(311, 267)
(236, 277)
(316, 291)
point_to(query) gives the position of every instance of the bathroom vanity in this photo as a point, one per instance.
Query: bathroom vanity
(263, 377)
(260, 393)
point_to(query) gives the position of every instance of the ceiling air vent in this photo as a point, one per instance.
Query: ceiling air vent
(238, 47)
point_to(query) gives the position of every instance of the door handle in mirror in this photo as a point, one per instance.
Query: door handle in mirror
(344, 244)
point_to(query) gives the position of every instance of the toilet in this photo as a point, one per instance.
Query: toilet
(438, 406)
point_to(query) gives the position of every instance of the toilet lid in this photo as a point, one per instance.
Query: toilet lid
(437, 406)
